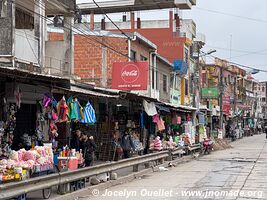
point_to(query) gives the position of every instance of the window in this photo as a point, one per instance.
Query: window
(263, 99)
(3, 8)
(263, 89)
(133, 55)
(165, 84)
(186, 87)
(143, 58)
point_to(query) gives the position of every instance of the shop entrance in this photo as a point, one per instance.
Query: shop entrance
(25, 122)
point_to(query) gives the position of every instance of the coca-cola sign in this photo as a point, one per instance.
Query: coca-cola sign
(130, 73)
(130, 76)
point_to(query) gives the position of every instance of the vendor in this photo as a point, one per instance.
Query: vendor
(89, 148)
(76, 140)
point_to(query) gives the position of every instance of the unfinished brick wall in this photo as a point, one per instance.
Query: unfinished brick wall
(88, 55)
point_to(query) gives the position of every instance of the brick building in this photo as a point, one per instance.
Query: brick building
(96, 51)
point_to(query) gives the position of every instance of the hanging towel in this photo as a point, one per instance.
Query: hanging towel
(150, 108)
(89, 114)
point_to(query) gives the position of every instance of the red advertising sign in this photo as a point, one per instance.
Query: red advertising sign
(130, 75)
(226, 104)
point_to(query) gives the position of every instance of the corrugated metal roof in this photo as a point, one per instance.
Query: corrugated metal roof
(90, 92)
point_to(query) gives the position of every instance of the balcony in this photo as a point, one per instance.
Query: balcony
(116, 6)
(26, 46)
(185, 4)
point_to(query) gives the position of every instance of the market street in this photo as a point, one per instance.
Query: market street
(222, 173)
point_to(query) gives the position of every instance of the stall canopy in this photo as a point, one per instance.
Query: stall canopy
(163, 108)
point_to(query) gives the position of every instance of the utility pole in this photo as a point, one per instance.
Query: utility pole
(221, 98)
(235, 88)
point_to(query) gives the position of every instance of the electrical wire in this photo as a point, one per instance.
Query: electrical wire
(232, 15)
(103, 12)
(78, 31)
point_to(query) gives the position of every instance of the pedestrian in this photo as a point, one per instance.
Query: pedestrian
(76, 141)
(265, 128)
(89, 148)
(127, 143)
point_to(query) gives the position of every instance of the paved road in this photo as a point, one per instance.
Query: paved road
(237, 173)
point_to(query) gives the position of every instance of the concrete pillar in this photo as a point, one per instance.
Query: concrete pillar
(68, 67)
(104, 68)
(7, 27)
(39, 30)
(92, 21)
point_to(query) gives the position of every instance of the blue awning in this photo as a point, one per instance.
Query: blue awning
(180, 67)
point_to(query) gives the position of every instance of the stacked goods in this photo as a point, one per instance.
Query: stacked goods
(34, 160)
(156, 144)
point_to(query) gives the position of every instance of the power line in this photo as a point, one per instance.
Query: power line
(111, 20)
(243, 66)
(232, 15)
(46, 18)
(78, 32)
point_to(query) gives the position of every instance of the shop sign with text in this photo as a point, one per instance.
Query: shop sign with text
(130, 75)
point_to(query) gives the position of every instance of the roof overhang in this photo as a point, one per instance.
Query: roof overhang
(115, 6)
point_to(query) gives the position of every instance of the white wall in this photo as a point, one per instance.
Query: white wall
(26, 46)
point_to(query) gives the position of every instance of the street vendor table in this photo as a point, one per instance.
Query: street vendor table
(68, 163)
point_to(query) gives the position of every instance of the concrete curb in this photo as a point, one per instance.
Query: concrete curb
(87, 192)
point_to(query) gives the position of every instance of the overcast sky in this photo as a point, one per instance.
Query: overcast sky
(214, 18)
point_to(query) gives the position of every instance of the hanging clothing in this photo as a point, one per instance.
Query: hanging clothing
(47, 99)
(179, 120)
(62, 110)
(142, 125)
(161, 125)
(70, 104)
(150, 108)
(78, 110)
(18, 95)
(156, 118)
(89, 114)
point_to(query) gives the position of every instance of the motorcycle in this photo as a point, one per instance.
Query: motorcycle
(233, 135)
(207, 146)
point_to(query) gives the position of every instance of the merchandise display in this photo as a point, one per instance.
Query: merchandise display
(20, 164)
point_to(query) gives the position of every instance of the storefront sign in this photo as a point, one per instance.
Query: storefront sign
(226, 104)
(209, 93)
(130, 75)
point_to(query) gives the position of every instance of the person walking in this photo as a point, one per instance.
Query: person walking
(265, 128)
(89, 148)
